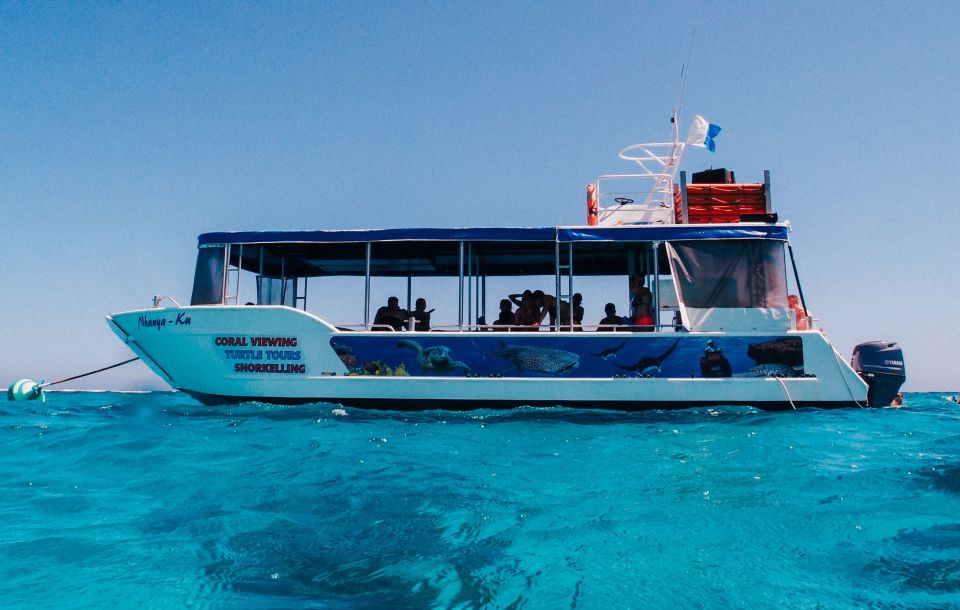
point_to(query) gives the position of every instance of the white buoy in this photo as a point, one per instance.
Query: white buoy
(25, 389)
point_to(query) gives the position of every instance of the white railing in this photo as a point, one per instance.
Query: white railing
(446, 328)
(157, 299)
(645, 197)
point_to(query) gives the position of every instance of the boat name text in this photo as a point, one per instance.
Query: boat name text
(256, 341)
(182, 319)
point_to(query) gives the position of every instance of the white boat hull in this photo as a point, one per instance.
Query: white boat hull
(284, 355)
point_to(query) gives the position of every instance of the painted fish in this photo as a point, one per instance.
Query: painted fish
(543, 360)
(609, 352)
(435, 359)
(771, 370)
(341, 350)
(650, 365)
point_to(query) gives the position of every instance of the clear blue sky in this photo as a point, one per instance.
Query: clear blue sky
(126, 129)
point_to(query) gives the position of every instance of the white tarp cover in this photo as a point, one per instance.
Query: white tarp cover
(731, 285)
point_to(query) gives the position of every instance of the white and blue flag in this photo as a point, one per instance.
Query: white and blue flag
(702, 133)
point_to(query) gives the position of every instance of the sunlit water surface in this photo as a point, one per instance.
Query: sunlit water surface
(115, 500)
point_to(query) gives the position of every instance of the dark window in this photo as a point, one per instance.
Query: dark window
(208, 278)
(743, 273)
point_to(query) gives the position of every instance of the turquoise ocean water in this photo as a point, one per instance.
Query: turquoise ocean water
(112, 500)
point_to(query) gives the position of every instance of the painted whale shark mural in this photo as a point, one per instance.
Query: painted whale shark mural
(536, 359)
(580, 355)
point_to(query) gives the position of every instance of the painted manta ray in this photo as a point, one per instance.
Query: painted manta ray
(610, 352)
(434, 359)
(650, 365)
(544, 360)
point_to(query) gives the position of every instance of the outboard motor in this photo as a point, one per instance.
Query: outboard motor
(880, 364)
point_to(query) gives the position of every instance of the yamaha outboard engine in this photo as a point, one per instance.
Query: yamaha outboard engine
(880, 364)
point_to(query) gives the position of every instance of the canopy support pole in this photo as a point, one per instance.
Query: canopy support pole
(557, 278)
(460, 292)
(366, 291)
(236, 300)
(569, 287)
(225, 279)
(656, 285)
(483, 298)
(283, 280)
(796, 277)
(469, 284)
(409, 292)
(260, 278)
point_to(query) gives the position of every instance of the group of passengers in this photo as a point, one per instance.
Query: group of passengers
(396, 318)
(533, 307)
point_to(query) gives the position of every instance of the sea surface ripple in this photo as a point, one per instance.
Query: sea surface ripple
(114, 500)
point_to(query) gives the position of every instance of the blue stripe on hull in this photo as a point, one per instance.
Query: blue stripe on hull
(426, 404)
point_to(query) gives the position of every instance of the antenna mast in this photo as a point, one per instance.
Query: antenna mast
(684, 71)
(659, 162)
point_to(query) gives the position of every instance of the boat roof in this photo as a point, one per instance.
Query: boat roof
(643, 233)
(511, 251)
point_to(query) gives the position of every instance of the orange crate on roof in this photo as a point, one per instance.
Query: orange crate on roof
(719, 203)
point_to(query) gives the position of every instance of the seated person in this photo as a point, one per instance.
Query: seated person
(391, 315)
(611, 320)
(506, 313)
(421, 315)
(577, 308)
(803, 320)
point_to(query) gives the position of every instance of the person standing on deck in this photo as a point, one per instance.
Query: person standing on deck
(527, 314)
(641, 302)
(547, 304)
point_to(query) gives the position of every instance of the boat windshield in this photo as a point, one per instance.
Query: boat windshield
(208, 277)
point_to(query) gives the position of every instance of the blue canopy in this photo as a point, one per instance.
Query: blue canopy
(436, 252)
(506, 234)
(673, 232)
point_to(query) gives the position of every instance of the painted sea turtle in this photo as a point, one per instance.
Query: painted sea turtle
(434, 359)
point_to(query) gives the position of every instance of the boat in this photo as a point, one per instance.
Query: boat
(702, 265)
